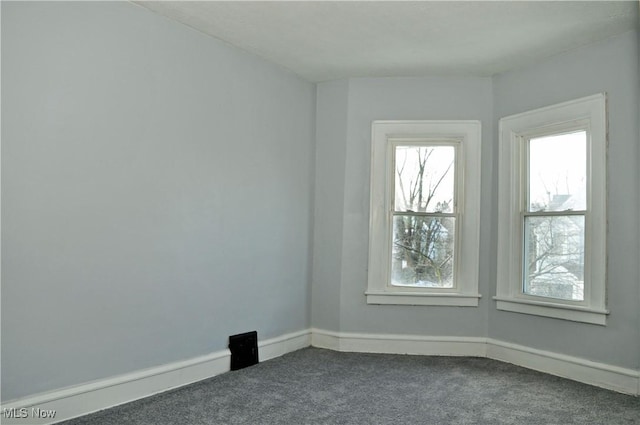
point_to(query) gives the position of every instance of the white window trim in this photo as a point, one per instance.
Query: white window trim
(465, 290)
(512, 132)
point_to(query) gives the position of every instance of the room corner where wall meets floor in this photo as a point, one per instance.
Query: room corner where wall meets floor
(614, 378)
(168, 204)
(91, 397)
(162, 190)
(84, 399)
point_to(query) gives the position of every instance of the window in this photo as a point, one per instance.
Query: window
(424, 217)
(552, 212)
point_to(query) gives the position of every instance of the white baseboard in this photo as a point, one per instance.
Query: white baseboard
(278, 346)
(575, 368)
(399, 344)
(91, 397)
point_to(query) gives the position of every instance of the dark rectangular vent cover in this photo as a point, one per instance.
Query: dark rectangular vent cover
(244, 350)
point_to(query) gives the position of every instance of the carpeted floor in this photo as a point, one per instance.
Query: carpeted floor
(315, 386)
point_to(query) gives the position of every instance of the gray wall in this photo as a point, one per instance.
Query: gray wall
(156, 190)
(610, 66)
(370, 99)
(331, 137)
(157, 195)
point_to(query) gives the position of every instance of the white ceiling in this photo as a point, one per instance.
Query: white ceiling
(327, 40)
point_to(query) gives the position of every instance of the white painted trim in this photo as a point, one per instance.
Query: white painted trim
(513, 131)
(404, 298)
(91, 397)
(321, 338)
(562, 311)
(399, 344)
(575, 368)
(383, 134)
(278, 346)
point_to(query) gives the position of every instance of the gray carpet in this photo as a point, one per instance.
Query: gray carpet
(314, 386)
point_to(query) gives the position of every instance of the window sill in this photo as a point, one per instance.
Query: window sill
(422, 298)
(556, 311)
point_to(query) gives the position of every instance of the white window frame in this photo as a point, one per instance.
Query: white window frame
(587, 113)
(466, 136)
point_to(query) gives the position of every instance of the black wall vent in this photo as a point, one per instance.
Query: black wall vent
(244, 350)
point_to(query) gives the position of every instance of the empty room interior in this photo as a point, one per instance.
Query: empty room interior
(451, 189)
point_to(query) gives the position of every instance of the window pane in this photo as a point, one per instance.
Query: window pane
(424, 178)
(557, 172)
(554, 257)
(423, 249)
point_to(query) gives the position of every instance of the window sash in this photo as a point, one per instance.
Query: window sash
(525, 165)
(466, 137)
(394, 143)
(423, 214)
(524, 264)
(526, 212)
(425, 142)
(456, 251)
(588, 113)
